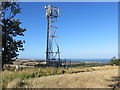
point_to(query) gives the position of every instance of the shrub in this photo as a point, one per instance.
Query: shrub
(115, 62)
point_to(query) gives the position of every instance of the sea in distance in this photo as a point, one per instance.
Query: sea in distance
(84, 60)
(89, 60)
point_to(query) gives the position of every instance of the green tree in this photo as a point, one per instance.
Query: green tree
(11, 29)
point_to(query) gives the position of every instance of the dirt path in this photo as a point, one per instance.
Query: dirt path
(103, 78)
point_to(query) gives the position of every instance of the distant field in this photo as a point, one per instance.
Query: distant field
(49, 77)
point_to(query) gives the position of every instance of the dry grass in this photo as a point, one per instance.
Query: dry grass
(9, 76)
(93, 79)
(12, 79)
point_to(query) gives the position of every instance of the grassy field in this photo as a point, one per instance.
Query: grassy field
(103, 77)
(19, 77)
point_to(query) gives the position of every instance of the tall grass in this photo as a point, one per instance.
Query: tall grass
(8, 76)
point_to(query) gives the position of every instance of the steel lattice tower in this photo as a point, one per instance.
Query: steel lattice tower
(52, 49)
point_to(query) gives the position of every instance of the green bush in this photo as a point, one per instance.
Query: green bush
(115, 62)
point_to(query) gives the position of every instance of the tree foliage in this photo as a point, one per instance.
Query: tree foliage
(11, 29)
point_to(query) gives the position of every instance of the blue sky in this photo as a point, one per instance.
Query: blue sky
(85, 29)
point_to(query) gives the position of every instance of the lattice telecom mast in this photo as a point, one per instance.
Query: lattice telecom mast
(52, 51)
